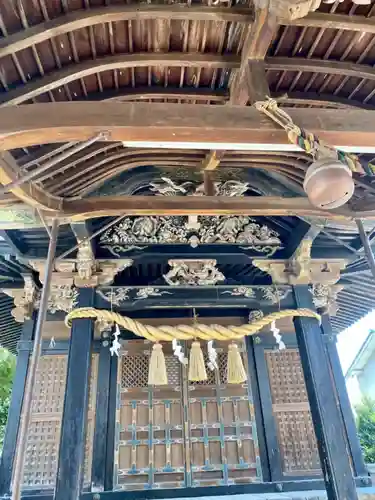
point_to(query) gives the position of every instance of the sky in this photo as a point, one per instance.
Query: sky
(350, 340)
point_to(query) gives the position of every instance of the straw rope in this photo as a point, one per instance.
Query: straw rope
(186, 332)
(308, 141)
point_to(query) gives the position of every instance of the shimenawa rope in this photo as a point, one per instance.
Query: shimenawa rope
(187, 332)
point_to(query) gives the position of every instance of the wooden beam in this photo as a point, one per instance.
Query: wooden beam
(193, 205)
(28, 192)
(129, 94)
(226, 126)
(320, 66)
(79, 19)
(325, 20)
(256, 44)
(256, 82)
(86, 68)
(315, 99)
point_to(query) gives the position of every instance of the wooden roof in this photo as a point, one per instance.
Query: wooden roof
(182, 52)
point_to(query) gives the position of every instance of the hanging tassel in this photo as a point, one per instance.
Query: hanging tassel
(236, 373)
(197, 369)
(157, 372)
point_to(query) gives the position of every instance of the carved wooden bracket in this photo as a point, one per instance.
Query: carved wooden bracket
(24, 299)
(301, 269)
(324, 297)
(84, 271)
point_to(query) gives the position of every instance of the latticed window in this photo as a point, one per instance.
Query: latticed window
(291, 409)
(44, 431)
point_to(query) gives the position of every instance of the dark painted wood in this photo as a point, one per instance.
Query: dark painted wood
(343, 398)
(16, 246)
(326, 415)
(111, 425)
(14, 414)
(214, 297)
(59, 347)
(295, 239)
(273, 449)
(203, 491)
(259, 417)
(73, 427)
(101, 421)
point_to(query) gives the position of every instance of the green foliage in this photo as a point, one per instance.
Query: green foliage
(366, 428)
(7, 367)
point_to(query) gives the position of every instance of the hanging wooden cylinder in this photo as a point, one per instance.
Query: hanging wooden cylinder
(328, 183)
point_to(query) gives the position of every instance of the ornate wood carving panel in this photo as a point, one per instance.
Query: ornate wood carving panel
(292, 413)
(44, 431)
(182, 434)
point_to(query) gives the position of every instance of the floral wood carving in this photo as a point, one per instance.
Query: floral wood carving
(274, 294)
(193, 273)
(133, 232)
(116, 296)
(61, 298)
(245, 291)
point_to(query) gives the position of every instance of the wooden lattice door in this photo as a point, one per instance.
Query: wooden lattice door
(182, 434)
(291, 409)
(43, 439)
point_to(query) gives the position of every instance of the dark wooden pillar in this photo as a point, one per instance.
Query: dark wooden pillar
(333, 452)
(101, 421)
(111, 425)
(73, 426)
(15, 409)
(343, 398)
(259, 416)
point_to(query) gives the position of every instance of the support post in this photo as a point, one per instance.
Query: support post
(366, 245)
(326, 415)
(359, 467)
(259, 417)
(101, 421)
(15, 409)
(270, 429)
(30, 381)
(70, 469)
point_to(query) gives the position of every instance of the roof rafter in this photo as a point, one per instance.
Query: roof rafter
(28, 192)
(73, 72)
(84, 18)
(320, 66)
(336, 21)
